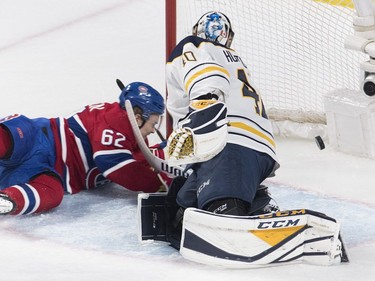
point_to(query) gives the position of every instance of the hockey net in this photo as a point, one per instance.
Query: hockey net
(293, 48)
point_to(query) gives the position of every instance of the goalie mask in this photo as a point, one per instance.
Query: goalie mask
(214, 27)
(142, 95)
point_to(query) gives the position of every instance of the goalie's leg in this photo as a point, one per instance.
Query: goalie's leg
(237, 207)
(234, 176)
(174, 213)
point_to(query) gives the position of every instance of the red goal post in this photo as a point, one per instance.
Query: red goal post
(170, 42)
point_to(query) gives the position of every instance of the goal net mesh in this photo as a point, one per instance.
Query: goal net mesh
(294, 49)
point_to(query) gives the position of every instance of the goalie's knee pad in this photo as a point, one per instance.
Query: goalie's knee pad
(228, 206)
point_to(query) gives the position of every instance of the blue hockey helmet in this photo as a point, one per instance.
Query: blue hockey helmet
(214, 27)
(142, 95)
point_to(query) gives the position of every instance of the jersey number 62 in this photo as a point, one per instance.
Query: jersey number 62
(109, 137)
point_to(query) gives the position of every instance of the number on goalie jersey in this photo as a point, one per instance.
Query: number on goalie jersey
(203, 66)
(42, 158)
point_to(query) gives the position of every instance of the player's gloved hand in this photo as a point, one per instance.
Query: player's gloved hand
(157, 149)
(161, 145)
(165, 180)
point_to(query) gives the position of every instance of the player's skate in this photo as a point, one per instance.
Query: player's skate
(6, 204)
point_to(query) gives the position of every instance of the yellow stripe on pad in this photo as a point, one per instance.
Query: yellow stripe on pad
(275, 236)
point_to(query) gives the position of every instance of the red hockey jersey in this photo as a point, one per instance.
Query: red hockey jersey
(97, 145)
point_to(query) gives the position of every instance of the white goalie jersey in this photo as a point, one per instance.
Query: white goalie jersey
(198, 67)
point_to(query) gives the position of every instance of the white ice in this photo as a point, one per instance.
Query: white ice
(57, 56)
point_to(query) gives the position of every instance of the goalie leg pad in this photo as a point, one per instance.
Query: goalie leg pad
(257, 241)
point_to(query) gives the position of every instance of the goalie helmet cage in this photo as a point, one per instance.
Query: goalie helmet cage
(294, 49)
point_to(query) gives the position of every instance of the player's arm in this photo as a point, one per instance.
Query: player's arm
(117, 157)
(202, 74)
(121, 167)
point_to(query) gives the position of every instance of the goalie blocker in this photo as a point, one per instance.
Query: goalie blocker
(283, 237)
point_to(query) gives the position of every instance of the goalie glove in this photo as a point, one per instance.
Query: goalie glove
(200, 136)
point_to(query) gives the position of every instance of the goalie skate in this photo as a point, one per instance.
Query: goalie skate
(152, 212)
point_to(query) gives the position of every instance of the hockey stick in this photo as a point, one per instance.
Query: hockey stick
(160, 165)
(122, 86)
(160, 135)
